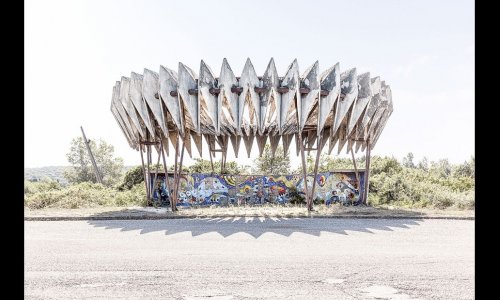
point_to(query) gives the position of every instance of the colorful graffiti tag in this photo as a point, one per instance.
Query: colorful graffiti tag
(207, 189)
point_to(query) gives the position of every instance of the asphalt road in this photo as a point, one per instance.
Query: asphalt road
(250, 258)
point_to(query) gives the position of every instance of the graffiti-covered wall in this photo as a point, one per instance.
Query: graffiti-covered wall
(208, 189)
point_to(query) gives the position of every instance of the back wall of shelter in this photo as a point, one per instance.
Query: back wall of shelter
(207, 189)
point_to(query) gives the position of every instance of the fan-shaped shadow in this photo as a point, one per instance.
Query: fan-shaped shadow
(256, 226)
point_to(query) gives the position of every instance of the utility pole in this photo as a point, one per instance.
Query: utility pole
(97, 174)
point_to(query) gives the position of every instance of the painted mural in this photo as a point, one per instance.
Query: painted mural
(207, 189)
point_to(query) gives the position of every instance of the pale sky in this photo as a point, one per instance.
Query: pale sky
(76, 50)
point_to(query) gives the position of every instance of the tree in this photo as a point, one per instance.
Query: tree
(204, 166)
(408, 161)
(133, 177)
(110, 167)
(442, 167)
(423, 164)
(467, 169)
(279, 164)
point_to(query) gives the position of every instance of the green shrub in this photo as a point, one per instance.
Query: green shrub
(86, 195)
(413, 187)
(40, 186)
(133, 177)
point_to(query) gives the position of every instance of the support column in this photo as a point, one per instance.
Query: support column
(144, 172)
(179, 172)
(157, 167)
(166, 172)
(367, 173)
(148, 156)
(316, 163)
(304, 169)
(174, 196)
(210, 154)
(355, 169)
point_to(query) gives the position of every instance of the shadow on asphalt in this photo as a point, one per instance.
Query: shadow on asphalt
(257, 226)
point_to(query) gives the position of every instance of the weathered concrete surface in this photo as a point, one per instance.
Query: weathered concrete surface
(250, 258)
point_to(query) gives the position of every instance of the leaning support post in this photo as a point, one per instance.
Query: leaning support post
(316, 163)
(166, 172)
(222, 163)
(304, 170)
(174, 195)
(302, 156)
(367, 173)
(210, 155)
(179, 172)
(224, 156)
(157, 165)
(148, 156)
(96, 170)
(355, 169)
(144, 172)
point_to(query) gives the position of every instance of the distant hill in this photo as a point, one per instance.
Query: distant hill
(44, 173)
(51, 172)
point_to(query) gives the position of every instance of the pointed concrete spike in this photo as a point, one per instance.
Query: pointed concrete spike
(364, 97)
(220, 141)
(118, 119)
(248, 81)
(150, 90)
(187, 144)
(349, 92)
(342, 142)
(157, 148)
(274, 140)
(375, 120)
(211, 104)
(350, 143)
(377, 133)
(330, 81)
(287, 105)
(129, 106)
(363, 147)
(325, 137)
(129, 126)
(307, 102)
(173, 139)
(128, 134)
(248, 139)
(375, 85)
(187, 81)
(380, 117)
(371, 109)
(226, 81)
(246, 129)
(165, 145)
(197, 142)
(168, 83)
(236, 141)
(287, 141)
(120, 124)
(269, 99)
(333, 140)
(261, 142)
(207, 140)
(358, 145)
(135, 93)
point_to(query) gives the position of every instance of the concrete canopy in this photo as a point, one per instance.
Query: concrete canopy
(341, 107)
